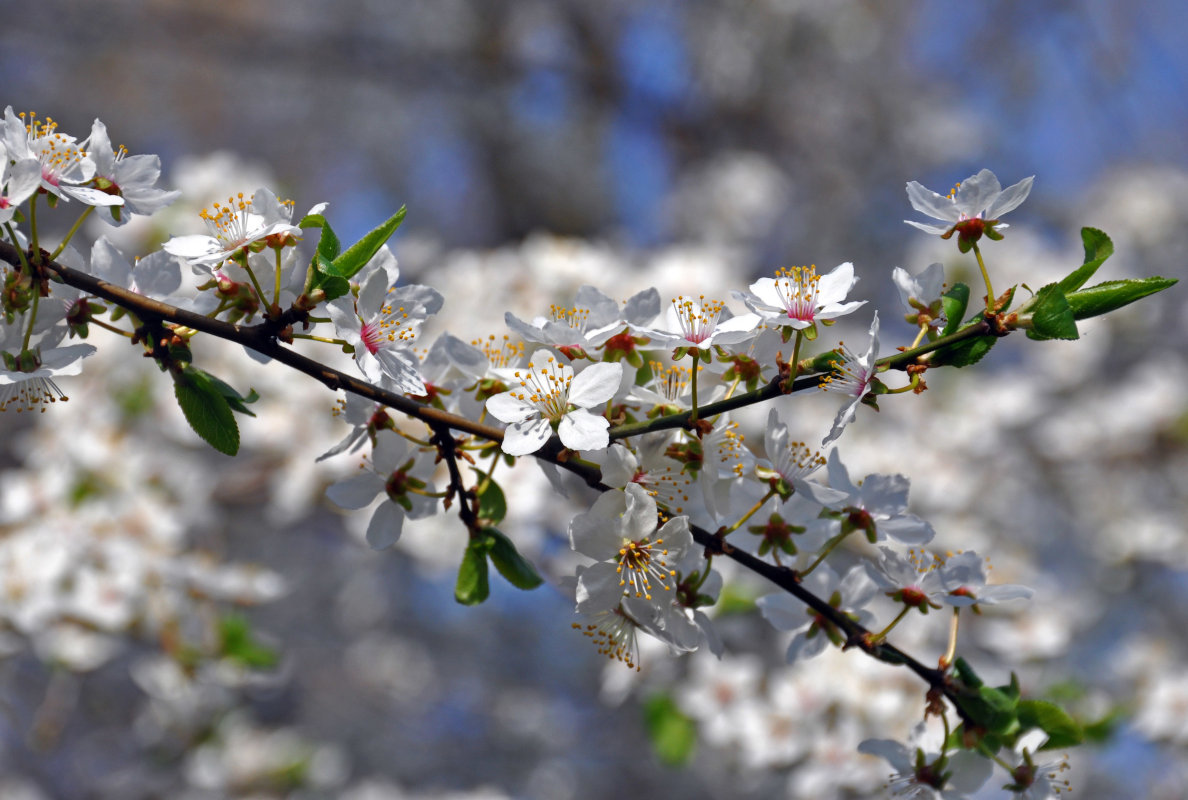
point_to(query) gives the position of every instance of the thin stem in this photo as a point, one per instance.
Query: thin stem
(755, 508)
(881, 635)
(693, 380)
(986, 278)
(32, 318)
(796, 354)
(33, 237)
(951, 650)
(829, 548)
(312, 338)
(109, 327)
(24, 262)
(276, 290)
(255, 283)
(919, 336)
(70, 233)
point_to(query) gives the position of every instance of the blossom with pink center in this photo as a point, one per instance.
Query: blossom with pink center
(798, 297)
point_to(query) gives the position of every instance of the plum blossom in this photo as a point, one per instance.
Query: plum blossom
(853, 376)
(700, 324)
(813, 631)
(963, 577)
(921, 295)
(591, 320)
(239, 227)
(382, 325)
(635, 560)
(972, 209)
(549, 394)
(798, 297)
(930, 776)
(64, 161)
(18, 182)
(875, 505)
(27, 375)
(403, 475)
(133, 178)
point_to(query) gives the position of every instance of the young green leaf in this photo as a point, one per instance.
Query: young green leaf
(1098, 248)
(238, 644)
(954, 302)
(207, 410)
(1062, 729)
(1112, 295)
(492, 504)
(518, 570)
(1051, 315)
(358, 254)
(472, 587)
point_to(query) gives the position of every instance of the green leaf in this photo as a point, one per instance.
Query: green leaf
(492, 504)
(236, 643)
(1112, 295)
(1051, 315)
(1098, 248)
(954, 302)
(234, 398)
(990, 708)
(962, 354)
(518, 570)
(472, 587)
(207, 410)
(673, 734)
(358, 254)
(1062, 729)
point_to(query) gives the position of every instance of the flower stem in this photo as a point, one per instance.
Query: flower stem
(986, 278)
(276, 290)
(881, 635)
(16, 244)
(32, 319)
(951, 650)
(749, 514)
(255, 283)
(70, 233)
(829, 548)
(693, 380)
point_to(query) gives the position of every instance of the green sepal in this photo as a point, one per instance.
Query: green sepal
(954, 302)
(672, 732)
(518, 570)
(237, 644)
(358, 254)
(1098, 248)
(823, 362)
(492, 506)
(1112, 295)
(1063, 731)
(1051, 315)
(206, 409)
(473, 587)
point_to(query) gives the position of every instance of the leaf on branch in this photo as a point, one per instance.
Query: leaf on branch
(472, 587)
(1112, 295)
(207, 410)
(358, 254)
(954, 302)
(1098, 248)
(492, 504)
(1051, 315)
(1062, 729)
(518, 570)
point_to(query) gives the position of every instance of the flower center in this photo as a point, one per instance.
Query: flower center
(547, 388)
(797, 288)
(698, 318)
(639, 564)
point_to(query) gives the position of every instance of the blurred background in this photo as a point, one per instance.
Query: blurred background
(696, 146)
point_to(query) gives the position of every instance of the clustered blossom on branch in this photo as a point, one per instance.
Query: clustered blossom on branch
(595, 389)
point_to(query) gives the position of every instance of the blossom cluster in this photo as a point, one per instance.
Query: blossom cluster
(637, 398)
